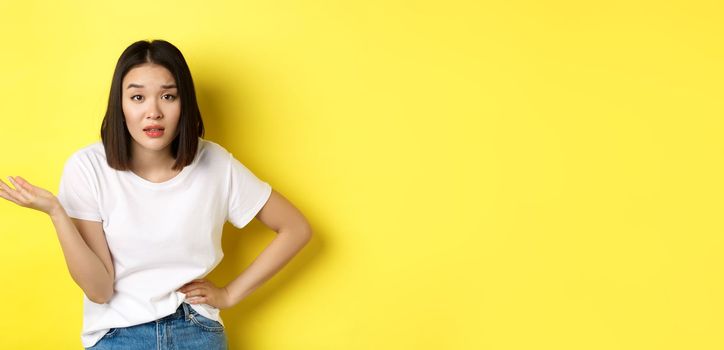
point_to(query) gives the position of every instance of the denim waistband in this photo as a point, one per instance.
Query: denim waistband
(183, 310)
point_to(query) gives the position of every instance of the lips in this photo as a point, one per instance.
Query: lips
(153, 127)
(154, 133)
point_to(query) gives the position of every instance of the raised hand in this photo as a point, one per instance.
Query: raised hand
(26, 195)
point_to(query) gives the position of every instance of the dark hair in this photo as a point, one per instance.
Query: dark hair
(114, 133)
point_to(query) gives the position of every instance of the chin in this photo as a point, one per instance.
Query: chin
(156, 144)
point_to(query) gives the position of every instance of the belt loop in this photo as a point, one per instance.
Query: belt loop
(186, 310)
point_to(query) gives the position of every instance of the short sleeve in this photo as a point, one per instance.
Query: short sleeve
(77, 193)
(247, 194)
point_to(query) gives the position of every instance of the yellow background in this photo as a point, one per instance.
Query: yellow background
(478, 174)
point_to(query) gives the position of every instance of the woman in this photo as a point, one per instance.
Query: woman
(139, 214)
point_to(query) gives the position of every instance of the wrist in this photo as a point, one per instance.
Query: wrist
(56, 210)
(233, 296)
(230, 297)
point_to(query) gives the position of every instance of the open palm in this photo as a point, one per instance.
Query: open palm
(26, 195)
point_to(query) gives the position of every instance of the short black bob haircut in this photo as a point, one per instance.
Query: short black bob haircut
(114, 133)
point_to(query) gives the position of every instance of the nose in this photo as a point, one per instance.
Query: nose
(154, 112)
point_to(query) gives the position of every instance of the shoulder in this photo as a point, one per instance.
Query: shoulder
(223, 160)
(214, 151)
(92, 155)
(212, 147)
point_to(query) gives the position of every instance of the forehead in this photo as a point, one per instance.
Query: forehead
(152, 74)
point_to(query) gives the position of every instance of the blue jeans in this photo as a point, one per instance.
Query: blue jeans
(184, 329)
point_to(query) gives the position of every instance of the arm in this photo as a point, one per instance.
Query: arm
(83, 242)
(293, 232)
(86, 254)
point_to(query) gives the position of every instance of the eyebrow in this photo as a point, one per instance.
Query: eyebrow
(169, 86)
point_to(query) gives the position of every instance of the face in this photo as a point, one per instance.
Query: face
(150, 99)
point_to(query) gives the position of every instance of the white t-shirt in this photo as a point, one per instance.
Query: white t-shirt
(160, 235)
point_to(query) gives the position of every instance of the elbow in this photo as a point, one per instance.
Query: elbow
(106, 298)
(99, 299)
(305, 231)
(103, 297)
(302, 234)
(307, 234)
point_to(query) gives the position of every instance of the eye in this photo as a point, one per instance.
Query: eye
(134, 96)
(172, 97)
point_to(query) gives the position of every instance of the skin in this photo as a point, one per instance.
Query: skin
(152, 160)
(153, 103)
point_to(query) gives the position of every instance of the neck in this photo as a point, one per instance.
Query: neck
(148, 160)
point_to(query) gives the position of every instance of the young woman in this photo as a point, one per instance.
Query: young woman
(139, 214)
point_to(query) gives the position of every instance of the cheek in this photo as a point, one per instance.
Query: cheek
(175, 108)
(132, 113)
(127, 110)
(128, 116)
(173, 113)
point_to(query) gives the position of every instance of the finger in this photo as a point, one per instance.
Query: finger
(16, 184)
(5, 186)
(23, 192)
(24, 183)
(194, 282)
(189, 289)
(11, 192)
(8, 197)
(197, 300)
(194, 296)
(10, 179)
